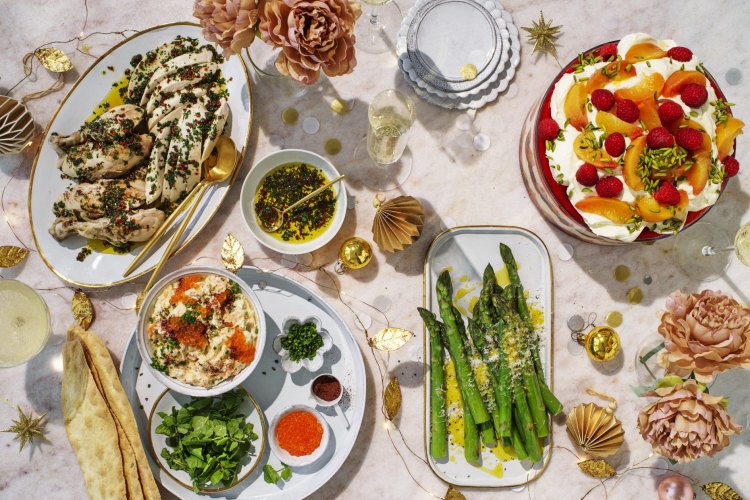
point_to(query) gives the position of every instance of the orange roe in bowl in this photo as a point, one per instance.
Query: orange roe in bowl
(241, 349)
(186, 283)
(299, 433)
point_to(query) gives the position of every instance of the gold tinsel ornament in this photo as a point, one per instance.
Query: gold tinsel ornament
(232, 254)
(392, 399)
(54, 59)
(454, 494)
(398, 222)
(82, 309)
(720, 491)
(11, 256)
(390, 339)
(543, 35)
(597, 468)
(16, 126)
(28, 428)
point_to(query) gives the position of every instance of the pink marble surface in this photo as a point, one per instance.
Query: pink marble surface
(458, 186)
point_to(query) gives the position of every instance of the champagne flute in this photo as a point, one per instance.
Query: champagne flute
(703, 251)
(381, 161)
(377, 27)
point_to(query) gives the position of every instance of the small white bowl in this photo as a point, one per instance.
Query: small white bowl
(282, 454)
(256, 176)
(311, 365)
(322, 402)
(144, 346)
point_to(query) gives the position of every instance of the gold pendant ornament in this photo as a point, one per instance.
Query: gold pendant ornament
(398, 222)
(597, 468)
(82, 309)
(28, 428)
(392, 399)
(601, 343)
(543, 35)
(232, 254)
(454, 494)
(720, 491)
(390, 339)
(595, 430)
(16, 126)
(355, 253)
(11, 256)
(54, 59)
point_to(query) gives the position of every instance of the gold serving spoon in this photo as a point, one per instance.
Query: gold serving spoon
(226, 162)
(277, 220)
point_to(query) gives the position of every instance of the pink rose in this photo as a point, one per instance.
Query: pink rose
(229, 23)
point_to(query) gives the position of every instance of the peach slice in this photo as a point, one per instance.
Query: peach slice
(613, 209)
(630, 166)
(575, 105)
(651, 210)
(612, 72)
(726, 133)
(649, 87)
(649, 113)
(587, 148)
(697, 176)
(610, 123)
(644, 51)
(677, 80)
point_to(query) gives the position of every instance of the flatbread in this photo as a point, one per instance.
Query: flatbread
(90, 427)
(108, 382)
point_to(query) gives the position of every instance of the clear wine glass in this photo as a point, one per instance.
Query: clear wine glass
(377, 26)
(703, 251)
(381, 161)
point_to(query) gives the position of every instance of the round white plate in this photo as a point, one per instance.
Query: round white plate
(274, 390)
(157, 442)
(446, 35)
(488, 93)
(106, 269)
(256, 176)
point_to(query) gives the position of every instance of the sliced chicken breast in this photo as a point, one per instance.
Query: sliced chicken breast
(170, 68)
(183, 165)
(90, 161)
(115, 124)
(141, 75)
(90, 201)
(133, 226)
(183, 78)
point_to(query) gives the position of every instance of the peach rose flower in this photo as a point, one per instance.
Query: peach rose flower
(686, 423)
(229, 23)
(706, 333)
(314, 35)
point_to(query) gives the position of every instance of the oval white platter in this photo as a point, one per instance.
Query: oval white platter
(466, 251)
(45, 185)
(274, 390)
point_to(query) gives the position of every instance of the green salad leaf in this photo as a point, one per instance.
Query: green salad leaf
(272, 476)
(208, 438)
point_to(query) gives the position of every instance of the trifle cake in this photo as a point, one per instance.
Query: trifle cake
(633, 141)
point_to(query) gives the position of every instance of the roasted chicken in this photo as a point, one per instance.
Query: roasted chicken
(131, 226)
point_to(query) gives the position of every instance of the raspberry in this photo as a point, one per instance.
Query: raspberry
(608, 52)
(694, 95)
(548, 129)
(670, 111)
(688, 138)
(731, 166)
(614, 144)
(587, 175)
(603, 99)
(682, 54)
(627, 110)
(609, 187)
(667, 194)
(660, 138)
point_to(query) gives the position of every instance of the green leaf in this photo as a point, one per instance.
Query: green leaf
(286, 473)
(269, 474)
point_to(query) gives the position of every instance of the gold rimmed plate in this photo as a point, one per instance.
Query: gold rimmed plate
(157, 442)
(105, 268)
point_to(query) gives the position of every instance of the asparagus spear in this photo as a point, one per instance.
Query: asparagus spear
(505, 397)
(551, 402)
(525, 423)
(438, 431)
(471, 436)
(464, 375)
(517, 442)
(483, 351)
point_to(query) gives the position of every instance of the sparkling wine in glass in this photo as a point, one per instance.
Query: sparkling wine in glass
(378, 25)
(703, 251)
(381, 161)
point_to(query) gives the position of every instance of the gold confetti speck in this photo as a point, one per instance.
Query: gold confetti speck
(339, 107)
(469, 71)
(614, 319)
(635, 295)
(333, 146)
(289, 116)
(622, 273)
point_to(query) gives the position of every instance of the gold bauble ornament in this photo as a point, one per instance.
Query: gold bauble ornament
(398, 222)
(355, 253)
(601, 343)
(16, 126)
(595, 430)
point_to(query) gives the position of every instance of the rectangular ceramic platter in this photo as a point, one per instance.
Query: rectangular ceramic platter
(105, 269)
(465, 252)
(274, 390)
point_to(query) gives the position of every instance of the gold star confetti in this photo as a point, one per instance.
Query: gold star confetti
(544, 36)
(27, 428)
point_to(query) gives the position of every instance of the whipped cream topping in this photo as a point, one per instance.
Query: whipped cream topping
(565, 163)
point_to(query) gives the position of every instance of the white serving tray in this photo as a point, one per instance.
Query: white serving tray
(466, 251)
(274, 390)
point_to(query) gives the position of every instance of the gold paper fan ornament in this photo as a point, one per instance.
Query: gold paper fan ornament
(398, 222)
(16, 126)
(595, 430)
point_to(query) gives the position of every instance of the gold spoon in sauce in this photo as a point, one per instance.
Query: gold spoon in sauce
(226, 162)
(275, 221)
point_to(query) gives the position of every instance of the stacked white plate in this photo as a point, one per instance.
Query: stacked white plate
(458, 54)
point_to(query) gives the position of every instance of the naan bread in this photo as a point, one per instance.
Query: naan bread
(91, 429)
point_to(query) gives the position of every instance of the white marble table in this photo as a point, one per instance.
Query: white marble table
(458, 186)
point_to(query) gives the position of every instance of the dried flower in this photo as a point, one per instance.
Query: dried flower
(686, 423)
(313, 35)
(229, 23)
(706, 333)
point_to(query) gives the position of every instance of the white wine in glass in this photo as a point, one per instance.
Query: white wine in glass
(387, 136)
(703, 250)
(377, 26)
(741, 246)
